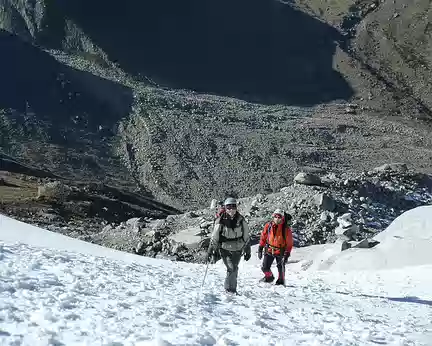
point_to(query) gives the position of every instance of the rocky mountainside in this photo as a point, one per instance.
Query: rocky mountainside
(351, 208)
(181, 103)
(391, 40)
(78, 209)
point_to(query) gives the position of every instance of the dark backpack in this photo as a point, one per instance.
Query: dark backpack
(287, 220)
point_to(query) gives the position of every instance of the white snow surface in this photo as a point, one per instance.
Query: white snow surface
(406, 242)
(55, 290)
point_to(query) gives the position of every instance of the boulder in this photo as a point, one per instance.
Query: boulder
(396, 167)
(347, 229)
(324, 202)
(158, 224)
(345, 220)
(307, 179)
(53, 190)
(362, 244)
(157, 247)
(191, 215)
(254, 204)
(345, 245)
(135, 224)
(187, 237)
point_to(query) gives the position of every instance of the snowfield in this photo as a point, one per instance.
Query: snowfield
(56, 290)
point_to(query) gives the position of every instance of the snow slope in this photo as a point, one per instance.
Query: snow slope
(56, 290)
(406, 242)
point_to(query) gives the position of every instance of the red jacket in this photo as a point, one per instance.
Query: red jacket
(275, 239)
(220, 212)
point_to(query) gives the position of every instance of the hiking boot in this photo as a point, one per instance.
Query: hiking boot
(280, 282)
(267, 279)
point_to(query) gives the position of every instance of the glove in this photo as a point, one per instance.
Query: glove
(260, 252)
(247, 256)
(286, 256)
(210, 256)
(213, 259)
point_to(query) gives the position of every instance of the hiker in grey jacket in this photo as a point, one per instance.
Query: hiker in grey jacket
(230, 240)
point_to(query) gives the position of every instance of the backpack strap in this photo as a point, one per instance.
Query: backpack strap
(242, 228)
(268, 234)
(269, 229)
(223, 239)
(284, 226)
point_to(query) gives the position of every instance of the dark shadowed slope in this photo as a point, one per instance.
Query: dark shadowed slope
(68, 98)
(56, 117)
(258, 50)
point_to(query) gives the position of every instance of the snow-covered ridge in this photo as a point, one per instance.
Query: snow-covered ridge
(406, 242)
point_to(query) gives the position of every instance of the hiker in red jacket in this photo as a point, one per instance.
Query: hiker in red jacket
(276, 242)
(220, 209)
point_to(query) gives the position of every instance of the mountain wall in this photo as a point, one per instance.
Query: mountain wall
(193, 100)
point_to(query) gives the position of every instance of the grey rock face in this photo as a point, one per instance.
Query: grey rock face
(324, 202)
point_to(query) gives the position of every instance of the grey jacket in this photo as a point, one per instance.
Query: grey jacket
(230, 235)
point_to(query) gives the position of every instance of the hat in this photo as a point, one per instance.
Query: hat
(230, 200)
(278, 212)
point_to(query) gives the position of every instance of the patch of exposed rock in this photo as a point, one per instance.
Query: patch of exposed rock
(349, 209)
(325, 208)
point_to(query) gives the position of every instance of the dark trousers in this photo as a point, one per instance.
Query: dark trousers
(268, 261)
(231, 260)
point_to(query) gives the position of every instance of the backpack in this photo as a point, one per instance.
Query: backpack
(222, 238)
(217, 255)
(287, 220)
(220, 215)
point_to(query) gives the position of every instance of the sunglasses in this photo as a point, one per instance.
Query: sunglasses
(231, 206)
(277, 216)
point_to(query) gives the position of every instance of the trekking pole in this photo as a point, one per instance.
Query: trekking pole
(205, 274)
(283, 268)
(202, 285)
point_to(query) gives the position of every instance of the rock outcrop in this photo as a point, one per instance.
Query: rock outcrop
(353, 211)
